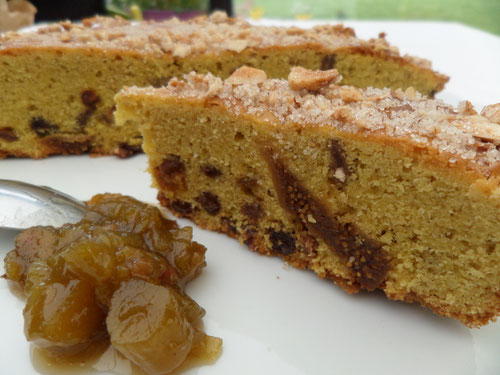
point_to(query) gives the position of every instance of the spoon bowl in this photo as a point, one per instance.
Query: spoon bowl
(25, 205)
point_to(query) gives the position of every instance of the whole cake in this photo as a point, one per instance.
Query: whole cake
(375, 189)
(58, 83)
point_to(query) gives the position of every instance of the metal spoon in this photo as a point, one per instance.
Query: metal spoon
(23, 205)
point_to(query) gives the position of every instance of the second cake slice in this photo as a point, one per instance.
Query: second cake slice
(371, 188)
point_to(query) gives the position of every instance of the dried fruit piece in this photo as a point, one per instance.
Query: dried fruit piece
(170, 173)
(8, 134)
(90, 98)
(282, 242)
(339, 170)
(247, 184)
(66, 147)
(42, 127)
(125, 150)
(365, 256)
(328, 62)
(252, 211)
(210, 171)
(183, 208)
(209, 202)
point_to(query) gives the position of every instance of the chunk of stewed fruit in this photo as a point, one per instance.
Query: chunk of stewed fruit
(94, 261)
(38, 274)
(147, 324)
(63, 317)
(31, 244)
(121, 213)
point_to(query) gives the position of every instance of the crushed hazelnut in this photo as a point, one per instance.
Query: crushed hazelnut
(483, 129)
(411, 93)
(492, 113)
(65, 38)
(181, 50)
(301, 78)
(466, 108)
(350, 94)
(237, 45)
(343, 114)
(246, 74)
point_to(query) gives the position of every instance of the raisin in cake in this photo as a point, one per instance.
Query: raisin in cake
(375, 189)
(58, 83)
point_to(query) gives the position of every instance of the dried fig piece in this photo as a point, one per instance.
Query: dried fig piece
(8, 134)
(328, 62)
(210, 202)
(282, 242)
(210, 171)
(42, 127)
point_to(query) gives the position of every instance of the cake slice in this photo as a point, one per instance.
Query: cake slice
(375, 189)
(58, 83)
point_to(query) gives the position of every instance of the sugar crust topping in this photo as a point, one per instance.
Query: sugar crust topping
(214, 33)
(459, 133)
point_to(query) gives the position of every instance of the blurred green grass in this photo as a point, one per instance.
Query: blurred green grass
(482, 14)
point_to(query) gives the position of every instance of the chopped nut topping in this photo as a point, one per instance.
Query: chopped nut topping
(350, 94)
(408, 116)
(200, 35)
(236, 45)
(466, 108)
(483, 129)
(181, 50)
(492, 113)
(300, 78)
(410, 93)
(246, 74)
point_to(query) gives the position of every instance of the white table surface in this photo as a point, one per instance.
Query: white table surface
(275, 319)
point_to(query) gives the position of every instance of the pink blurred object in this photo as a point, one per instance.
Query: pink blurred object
(159, 15)
(16, 14)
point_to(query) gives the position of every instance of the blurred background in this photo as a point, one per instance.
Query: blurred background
(482, 14)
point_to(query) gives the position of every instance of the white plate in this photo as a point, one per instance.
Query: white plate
(275, 319)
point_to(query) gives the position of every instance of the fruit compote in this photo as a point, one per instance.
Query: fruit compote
(115, 278)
